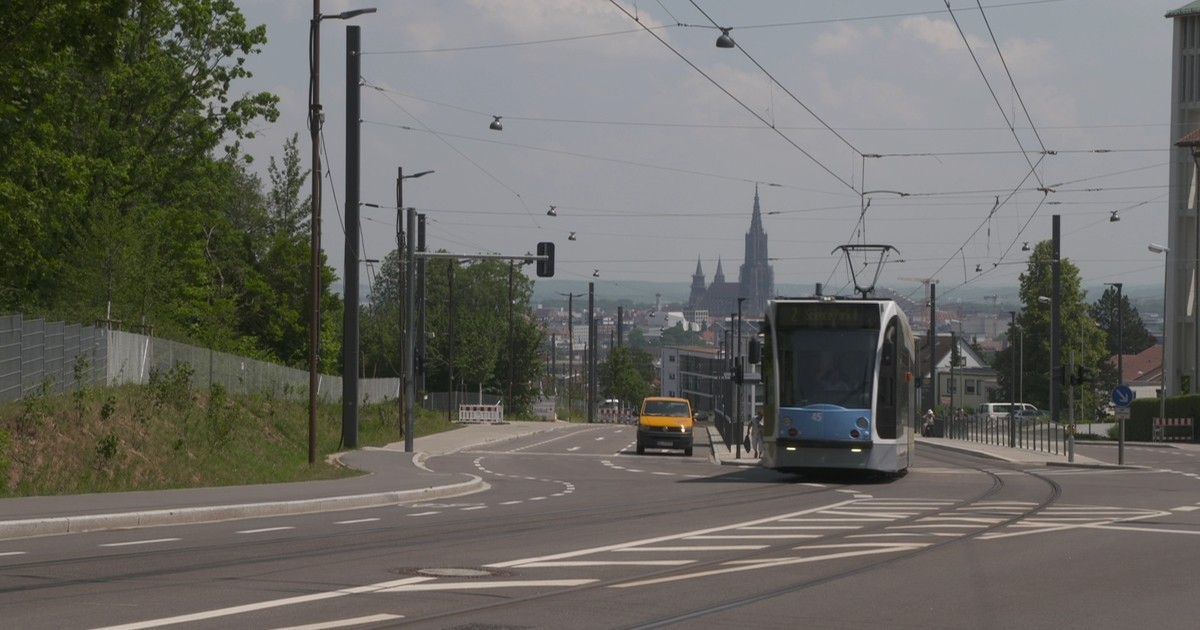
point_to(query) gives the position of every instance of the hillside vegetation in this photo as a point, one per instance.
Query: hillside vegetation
(167, 435)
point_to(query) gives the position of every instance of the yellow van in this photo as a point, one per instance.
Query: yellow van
(665, 423)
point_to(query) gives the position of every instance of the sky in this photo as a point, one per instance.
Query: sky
(960, 131)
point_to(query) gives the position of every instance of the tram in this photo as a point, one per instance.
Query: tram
(839, 390)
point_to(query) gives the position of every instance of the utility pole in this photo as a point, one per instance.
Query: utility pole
(570, 348)
(350, 290)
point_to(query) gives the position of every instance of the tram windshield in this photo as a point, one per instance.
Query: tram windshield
(835, 367)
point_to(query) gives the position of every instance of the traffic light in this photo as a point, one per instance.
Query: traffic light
(1082, 375)
(545, 268)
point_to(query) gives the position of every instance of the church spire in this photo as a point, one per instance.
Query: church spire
(756, 218)
(720, 277)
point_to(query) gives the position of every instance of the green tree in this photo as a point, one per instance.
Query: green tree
(1126, 329)
(113, 114)
(627, 374)
(482, 343)
(1078, 334)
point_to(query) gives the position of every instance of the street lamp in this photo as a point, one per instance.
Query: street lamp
(1012, 387)
(315, 120)
(407, 392)
(1162, 395)
(740, 373)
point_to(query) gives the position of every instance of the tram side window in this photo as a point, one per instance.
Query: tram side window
(885, 409)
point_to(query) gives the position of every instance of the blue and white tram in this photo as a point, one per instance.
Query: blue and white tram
(838, 375)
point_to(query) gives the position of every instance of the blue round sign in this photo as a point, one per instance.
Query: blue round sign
(1122, 396)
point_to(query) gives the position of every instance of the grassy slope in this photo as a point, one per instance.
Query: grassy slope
(166, 435)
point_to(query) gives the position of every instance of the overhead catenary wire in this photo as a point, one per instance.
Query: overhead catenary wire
(744, 106)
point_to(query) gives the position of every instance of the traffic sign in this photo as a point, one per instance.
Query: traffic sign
(1122, 396)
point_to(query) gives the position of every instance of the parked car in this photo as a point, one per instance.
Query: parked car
(1032, 415)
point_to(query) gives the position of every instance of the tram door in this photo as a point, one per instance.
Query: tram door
(887, 405)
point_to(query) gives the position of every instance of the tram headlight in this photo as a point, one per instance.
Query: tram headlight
(862, 423)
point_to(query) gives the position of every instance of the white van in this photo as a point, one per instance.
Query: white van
(994, 412)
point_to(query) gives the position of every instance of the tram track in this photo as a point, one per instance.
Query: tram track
(997, 486)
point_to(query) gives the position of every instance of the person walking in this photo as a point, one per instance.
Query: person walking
(756, 435)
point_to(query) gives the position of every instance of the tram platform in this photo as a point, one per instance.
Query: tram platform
(728, 454)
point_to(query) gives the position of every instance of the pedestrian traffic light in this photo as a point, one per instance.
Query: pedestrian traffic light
(545, 266)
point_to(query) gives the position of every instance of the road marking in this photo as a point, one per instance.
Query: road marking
(513, 502)
(140, 542)
(264, 530)
(275, 603)
(752, 536)
(800, 527)
(607, 563)
(356, 521)
(459, 586)
(599, 439)
(13, 553)
(751, 565)
(696, 548)
(1186, 508)
(658, 539)
(344, 623)
(474, 507)
(573, 448)
(424, 513)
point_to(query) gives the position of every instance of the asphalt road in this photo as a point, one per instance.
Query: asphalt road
(575, 530)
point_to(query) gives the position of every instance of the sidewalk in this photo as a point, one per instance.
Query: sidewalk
(393, 477)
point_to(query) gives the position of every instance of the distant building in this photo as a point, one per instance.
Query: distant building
(756, 278)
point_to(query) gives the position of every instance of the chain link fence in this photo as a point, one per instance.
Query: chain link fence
(54, 357)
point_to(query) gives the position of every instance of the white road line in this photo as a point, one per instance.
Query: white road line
(343, 623)
(799, 527)
(573, 448)
(356, 521)
(658, 539)
(13, 553)
(871, 519)
(750, 565)
(513, 502)
(460, 586)
(537, 499)
(696, 548)
(606, 563)
(140, 542)
(473, 507)
(264, 530)
(275, 603)
(752, 536)
(424, 513)
(1186, 508)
